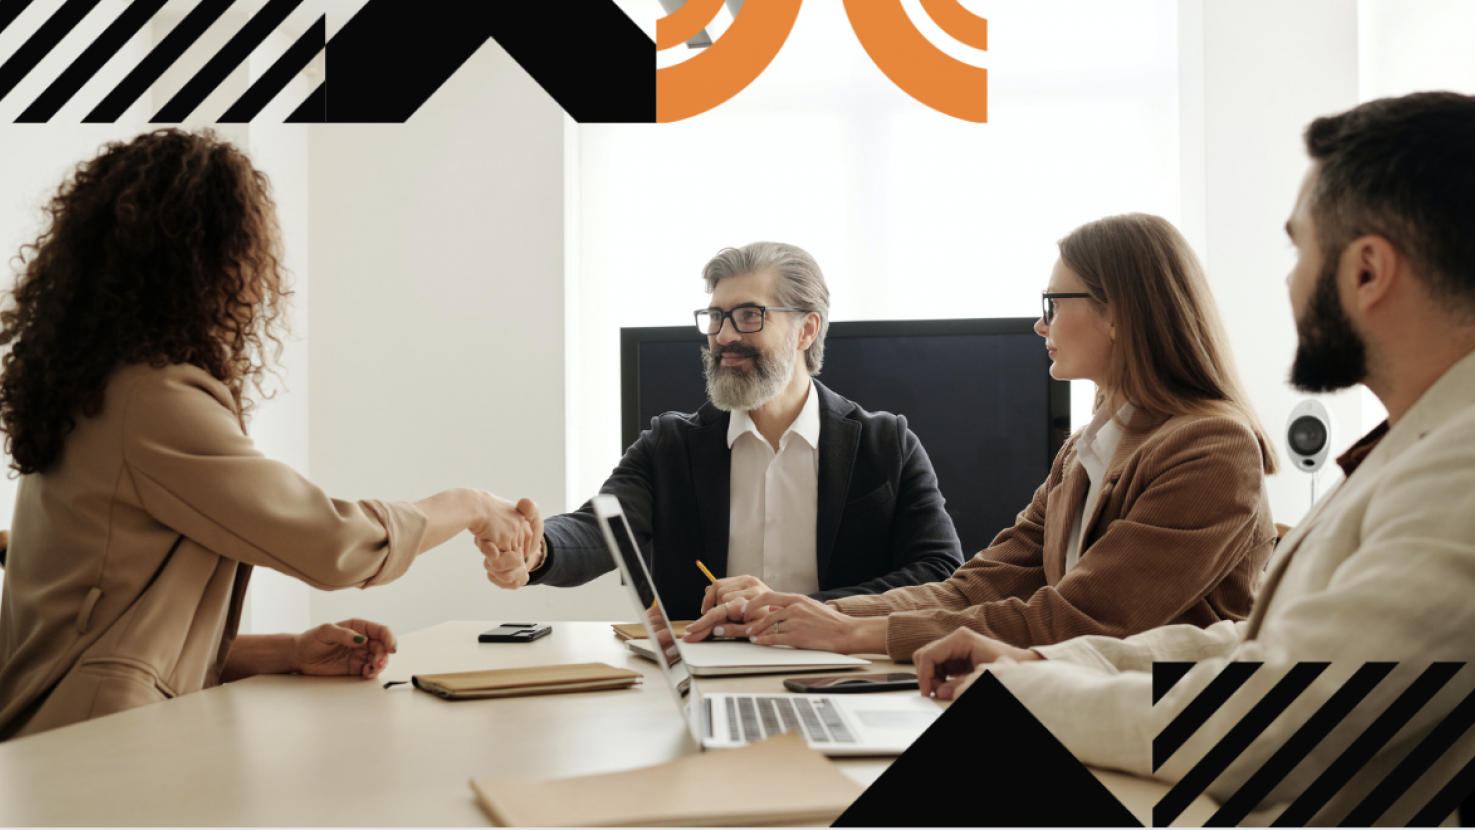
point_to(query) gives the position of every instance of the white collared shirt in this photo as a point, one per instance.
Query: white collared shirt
(1095, 449)
(774, 501)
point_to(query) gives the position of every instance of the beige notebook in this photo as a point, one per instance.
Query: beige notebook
(636, 631)
(780, 781)
(533, 680)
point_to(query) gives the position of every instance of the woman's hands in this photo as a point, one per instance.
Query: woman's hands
(353, 647)
(947, 667)
(774, 619)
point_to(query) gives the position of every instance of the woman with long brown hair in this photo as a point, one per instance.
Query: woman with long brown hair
(145, 317)
(1156, 513)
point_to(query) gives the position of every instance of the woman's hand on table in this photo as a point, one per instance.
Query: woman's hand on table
(352, 647)
(775, 619)
(949, 666)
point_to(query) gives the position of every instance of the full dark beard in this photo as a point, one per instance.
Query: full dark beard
(734, 388)
(1329, 354)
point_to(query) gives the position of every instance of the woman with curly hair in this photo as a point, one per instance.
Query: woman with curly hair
(139, 328)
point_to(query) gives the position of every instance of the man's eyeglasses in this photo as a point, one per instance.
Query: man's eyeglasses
(1047, 304)
(746, 320)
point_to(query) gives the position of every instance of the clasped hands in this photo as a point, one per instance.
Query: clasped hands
(774, 619)
(510, 537)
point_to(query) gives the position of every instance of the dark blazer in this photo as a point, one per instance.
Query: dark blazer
(880, 522)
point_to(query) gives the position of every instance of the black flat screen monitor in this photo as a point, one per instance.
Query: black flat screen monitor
(978, 393)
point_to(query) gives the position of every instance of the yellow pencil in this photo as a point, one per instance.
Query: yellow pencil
(705, 571)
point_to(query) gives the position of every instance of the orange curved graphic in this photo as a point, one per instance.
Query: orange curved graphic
(920, 69)
(960, 24)
(683, 24)
(735, 60)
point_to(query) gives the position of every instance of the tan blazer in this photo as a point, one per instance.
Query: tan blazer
(1180, 533)
(1383, 569)
(129, 557)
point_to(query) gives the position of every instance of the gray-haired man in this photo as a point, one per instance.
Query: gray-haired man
(777, 482)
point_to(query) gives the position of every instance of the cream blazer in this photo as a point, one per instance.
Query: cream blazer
(1383, 569)
(130, 555)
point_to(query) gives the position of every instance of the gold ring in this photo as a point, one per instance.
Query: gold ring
(775, 627)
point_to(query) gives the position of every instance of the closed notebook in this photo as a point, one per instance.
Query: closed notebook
(532, 680)
(636, 631)
(780, 781)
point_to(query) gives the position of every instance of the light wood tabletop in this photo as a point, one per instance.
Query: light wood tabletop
(291, 750)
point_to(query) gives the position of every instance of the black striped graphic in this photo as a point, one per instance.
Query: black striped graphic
(163, 56)
(280, 74)
(227, 59)
(40, 44)
(1201, 709)
(1306, 737)
(380, 67)
(1318, 726)
(134, 18)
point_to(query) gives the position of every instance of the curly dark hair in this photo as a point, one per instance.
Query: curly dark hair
(164, 249)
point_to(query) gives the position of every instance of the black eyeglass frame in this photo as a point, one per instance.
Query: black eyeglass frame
(724, 316)
(1047, 303)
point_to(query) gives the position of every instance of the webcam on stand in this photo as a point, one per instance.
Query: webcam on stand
(1309, 437)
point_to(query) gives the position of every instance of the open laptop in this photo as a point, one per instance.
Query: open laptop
(872, 724)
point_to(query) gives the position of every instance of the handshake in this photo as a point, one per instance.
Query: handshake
(510, 537)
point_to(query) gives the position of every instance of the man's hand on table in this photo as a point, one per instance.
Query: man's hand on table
(949, 666)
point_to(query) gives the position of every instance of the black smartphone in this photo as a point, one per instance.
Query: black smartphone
(853, 683)
(514, 633)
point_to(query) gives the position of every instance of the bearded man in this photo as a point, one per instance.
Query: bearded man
(777, 482)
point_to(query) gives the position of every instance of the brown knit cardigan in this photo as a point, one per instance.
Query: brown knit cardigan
(1181, 533)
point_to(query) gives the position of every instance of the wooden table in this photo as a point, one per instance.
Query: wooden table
(290, 750)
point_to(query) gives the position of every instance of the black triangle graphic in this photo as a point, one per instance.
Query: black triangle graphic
(987, 762)
(1164, 676)
(314, 110)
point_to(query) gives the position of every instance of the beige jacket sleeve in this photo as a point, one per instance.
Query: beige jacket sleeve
(194, 469)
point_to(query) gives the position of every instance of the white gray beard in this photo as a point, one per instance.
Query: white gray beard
(735, 389)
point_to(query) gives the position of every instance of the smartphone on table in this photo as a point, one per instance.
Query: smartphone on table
(514, 632)
(853, 683)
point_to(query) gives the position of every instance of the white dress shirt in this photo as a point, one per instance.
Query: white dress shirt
(1095, 449)
(774, 501)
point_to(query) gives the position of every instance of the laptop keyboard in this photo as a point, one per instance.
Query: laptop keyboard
(755, 717)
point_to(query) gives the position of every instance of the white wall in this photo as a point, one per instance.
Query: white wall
(1257, 86)
(437, 325)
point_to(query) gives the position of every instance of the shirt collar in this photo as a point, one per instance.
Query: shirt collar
(806, 425)
(1105, 432)
(1357, 453)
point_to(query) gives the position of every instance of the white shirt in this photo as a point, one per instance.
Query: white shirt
(1095, 449)
(774, 501)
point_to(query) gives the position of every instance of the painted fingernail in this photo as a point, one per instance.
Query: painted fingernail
(360, 638)
(394, 649)
(719, 631)
(748, 631)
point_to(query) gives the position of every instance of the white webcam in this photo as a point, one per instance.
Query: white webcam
(1309, 439)
(1309, 435)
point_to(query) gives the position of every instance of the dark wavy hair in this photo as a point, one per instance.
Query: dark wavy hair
(164, 249)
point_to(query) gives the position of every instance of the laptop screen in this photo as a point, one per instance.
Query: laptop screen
(643, 593)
